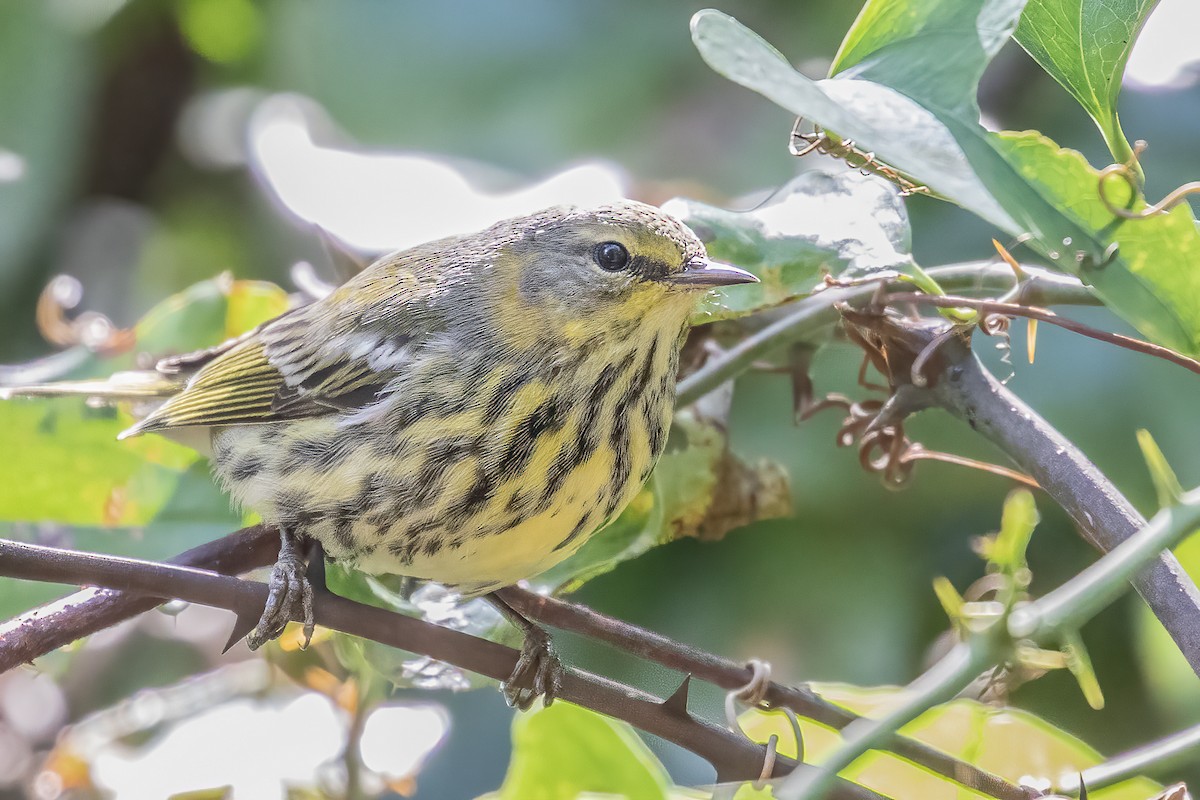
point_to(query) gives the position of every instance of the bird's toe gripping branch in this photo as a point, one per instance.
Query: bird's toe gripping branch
(290, 590)
(539, 671)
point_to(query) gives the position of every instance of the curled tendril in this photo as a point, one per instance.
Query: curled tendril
(1126, 173)
(817, 140)
(753, 694)
(89, 329)
(884, 450)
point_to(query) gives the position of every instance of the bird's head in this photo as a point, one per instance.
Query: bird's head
(607, 267)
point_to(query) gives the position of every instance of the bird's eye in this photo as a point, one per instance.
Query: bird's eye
(611, 256)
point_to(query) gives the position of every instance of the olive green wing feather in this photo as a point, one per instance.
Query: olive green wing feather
(333, 356)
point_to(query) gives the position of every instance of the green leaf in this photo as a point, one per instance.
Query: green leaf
(1166, 484)
(1084, 45)
(1152, 281)
(936, 50)
(1007, 742)
(879, 119)
(911, 102)
(563, 751)
(73, 469)
(844, 224)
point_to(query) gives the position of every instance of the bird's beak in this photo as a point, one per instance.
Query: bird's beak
(700, 272)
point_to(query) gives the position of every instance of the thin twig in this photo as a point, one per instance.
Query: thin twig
(1079, 599)
(816, 312)
(1048, 316)
(949, 676)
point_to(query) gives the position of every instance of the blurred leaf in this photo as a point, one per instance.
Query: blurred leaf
(217, 793)
(563, 751)
(74, 471)
(909, 97)
(208, 313)
(1084, 45)
(221, 30)
(841, 223)
(1007, 742)
(47, 74)
(1166, 484)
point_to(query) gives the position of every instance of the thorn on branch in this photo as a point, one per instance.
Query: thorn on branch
(677, 703)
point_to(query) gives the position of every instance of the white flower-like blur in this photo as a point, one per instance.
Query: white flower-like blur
(380, 201)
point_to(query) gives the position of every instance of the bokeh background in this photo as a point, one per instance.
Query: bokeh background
(148, 145)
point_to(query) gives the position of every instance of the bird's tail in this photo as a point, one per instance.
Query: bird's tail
(133, 385)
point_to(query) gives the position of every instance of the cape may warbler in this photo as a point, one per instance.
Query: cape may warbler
(468, 411)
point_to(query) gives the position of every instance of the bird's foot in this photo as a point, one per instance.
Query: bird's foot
(289, 590)
(538, 672)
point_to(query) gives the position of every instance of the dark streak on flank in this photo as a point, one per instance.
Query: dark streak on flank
(482, 490)
(580, 528)
(620, 434)
(442, 455)
(587, 438)
(246, 468)
(547, 418)
(343, 518)
(323, 454)
(502, 398)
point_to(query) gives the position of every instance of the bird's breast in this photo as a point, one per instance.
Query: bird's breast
(480, 477)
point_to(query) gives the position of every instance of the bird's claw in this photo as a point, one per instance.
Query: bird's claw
(289, 589)
(538, 672)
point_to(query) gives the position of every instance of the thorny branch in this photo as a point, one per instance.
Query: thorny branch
(733, 756)
(952, 378)
(42, 630)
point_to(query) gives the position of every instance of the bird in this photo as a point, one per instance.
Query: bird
(469, 411)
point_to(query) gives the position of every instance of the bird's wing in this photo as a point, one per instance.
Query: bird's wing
(333, 356)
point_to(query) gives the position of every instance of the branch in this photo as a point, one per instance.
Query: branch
(49, 627)
(1182, 748)
(41, 630)
(816, 312)
(1084, 492)
(734, 757)
(732, 676)
(1064, 609)
(945, 679)
(956, 381)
